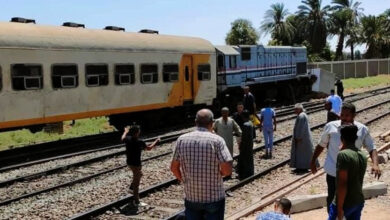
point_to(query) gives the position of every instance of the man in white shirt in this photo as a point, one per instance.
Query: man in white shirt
(336, 102)
(331, 139)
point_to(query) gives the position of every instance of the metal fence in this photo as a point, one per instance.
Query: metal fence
(355, 68)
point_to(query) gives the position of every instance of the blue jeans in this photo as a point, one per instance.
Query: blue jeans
(352, 213)
(268, 137)
(212, 210)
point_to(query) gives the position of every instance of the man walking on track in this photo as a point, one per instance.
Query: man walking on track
(250, 105)
(302, 147)
(200, 160)
(245, 166)
(330, 139)
(226, 127)
(268, 126)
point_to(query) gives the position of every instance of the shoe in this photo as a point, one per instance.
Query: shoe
(229, 194)
(142, 204)
(270, 155)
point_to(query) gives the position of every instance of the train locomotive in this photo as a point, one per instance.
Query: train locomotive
(50, 74)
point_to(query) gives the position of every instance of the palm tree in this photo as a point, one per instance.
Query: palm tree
(314, 21)
(353, 39)
(275, 24)
(344, 20)
(375, 34)
(338, 25)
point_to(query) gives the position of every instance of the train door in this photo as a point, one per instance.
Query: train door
(188, 83)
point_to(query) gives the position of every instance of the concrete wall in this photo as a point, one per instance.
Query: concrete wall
(354, 68)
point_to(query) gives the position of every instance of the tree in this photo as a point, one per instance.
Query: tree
(353, 39)
(274, 23)
(241, 33)
(338, 25)
(314, 19)
(345, 18)
(376, 36)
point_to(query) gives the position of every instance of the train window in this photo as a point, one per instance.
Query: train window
(26, 76)
(221, 62)
(124, 74)
(96, 75)
(245, 53)
(204, 72)
(149, 73)
(233, 62)
(170, 72)
(64, 76)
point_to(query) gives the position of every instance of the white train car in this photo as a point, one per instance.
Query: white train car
(51, 74)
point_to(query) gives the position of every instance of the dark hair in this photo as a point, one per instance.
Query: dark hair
(285, 204)
(240, 103)
(351, 107)
(268, 102)
(134, 129)
(349, 133)
(332, 91)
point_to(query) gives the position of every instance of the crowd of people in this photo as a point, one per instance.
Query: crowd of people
(203, 157)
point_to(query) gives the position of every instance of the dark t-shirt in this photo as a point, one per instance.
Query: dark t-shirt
(331, 116)
(238, 119)
(248, 102)
(134, 148)
(355, 162)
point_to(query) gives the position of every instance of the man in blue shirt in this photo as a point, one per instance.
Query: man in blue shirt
(281, 211)
(336, 102)
(268, 126)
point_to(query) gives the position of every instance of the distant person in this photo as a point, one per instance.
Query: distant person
(134, 148)
(268, 126)
(200, 160)
(237, 116)
(282, 208)
(226, 127)
(302, 146)
(331, 116)
(340, 88)
(336, 102)
(245, 165)
(350, 169)
(250, 105)
(330, 139)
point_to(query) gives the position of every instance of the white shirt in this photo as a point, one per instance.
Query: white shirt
(336, 103)
(331, 138)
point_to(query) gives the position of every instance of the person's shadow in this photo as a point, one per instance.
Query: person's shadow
(129, 210)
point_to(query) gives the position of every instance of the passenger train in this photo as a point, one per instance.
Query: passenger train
(50, 74)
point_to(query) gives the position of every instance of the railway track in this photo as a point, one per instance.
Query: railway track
(68, 183)
(161, 190)
(271, 197)
(43, 152)
(311, 108)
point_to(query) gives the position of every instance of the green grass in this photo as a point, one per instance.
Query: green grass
(355, 83)
(82, 127)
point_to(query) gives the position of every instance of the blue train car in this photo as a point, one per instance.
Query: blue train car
(266, 69)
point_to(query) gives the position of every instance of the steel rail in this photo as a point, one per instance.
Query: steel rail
(80, 141)
(101, 209)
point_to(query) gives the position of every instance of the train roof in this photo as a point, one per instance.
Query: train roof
(228, 50)
(32, 36)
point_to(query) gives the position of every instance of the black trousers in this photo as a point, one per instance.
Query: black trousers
(331, 182)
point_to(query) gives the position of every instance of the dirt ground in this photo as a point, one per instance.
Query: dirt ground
(373, 209)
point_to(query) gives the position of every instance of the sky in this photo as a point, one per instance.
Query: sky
(208, 19)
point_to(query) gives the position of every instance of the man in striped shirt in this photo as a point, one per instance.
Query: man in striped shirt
(200, 161)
